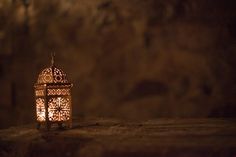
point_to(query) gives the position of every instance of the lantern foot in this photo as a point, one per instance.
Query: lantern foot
(60, 126)
(69, 125)
(38, 126)
(48, 127)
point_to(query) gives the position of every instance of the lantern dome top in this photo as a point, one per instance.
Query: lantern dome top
(52, 74)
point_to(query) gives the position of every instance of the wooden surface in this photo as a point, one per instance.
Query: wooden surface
(108, 137)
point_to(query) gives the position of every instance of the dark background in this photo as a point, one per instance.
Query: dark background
(128, 59)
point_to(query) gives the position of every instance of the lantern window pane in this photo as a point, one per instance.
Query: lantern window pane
(59, 109)
(40, 109)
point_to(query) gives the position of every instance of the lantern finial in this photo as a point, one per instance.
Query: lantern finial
(53, 54)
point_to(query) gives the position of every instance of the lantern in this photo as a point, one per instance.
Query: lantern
(53, 98)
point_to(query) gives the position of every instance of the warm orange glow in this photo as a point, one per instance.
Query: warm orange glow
(53, 98)
(58, 91)
(52, 75)
(40, 109)
(59, 109)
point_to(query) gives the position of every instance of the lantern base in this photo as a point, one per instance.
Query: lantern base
(53, 125)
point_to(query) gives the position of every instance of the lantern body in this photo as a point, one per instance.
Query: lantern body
(53, 99)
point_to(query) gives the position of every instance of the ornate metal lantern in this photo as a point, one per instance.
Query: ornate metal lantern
(53, 98)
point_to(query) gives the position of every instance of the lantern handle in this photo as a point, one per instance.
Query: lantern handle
(53, 54)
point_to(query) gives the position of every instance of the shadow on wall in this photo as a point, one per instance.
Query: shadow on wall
(127, 59)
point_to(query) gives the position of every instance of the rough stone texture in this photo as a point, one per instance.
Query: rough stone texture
(130, 59)
(109, 137)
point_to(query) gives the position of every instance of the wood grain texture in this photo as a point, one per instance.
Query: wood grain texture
(109, 137)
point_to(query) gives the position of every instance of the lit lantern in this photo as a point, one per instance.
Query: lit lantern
(53, 98)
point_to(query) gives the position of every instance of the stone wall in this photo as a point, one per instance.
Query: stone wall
(127, 59)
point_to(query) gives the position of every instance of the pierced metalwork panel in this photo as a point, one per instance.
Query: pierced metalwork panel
(59, 76)
(39, 92)
(59, 109)
(46, 76)
(40, 109)
(52, 75)
(58, 91)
